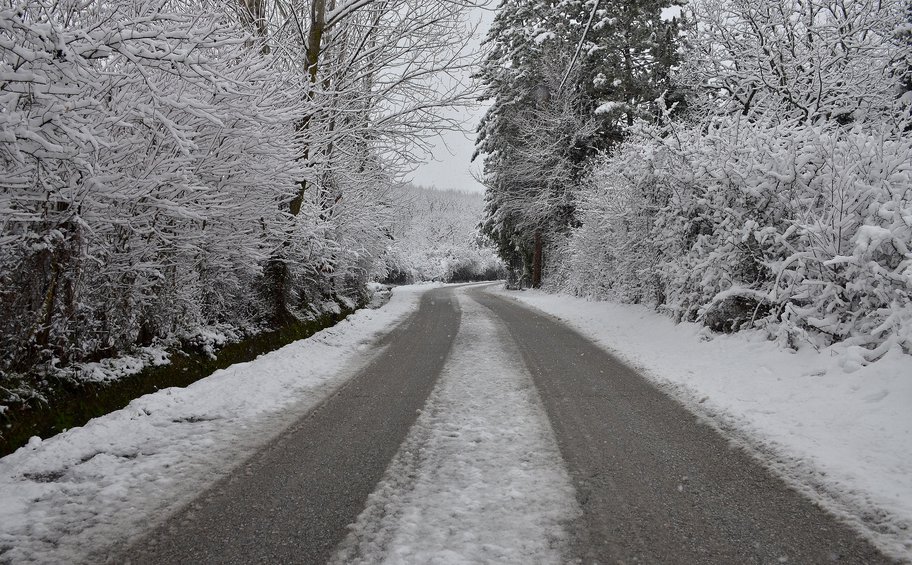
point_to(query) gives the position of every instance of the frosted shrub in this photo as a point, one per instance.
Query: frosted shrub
(847, 270)
(613, 254)
(145, 150)
(781, 199)
(804, 230)
(435, 237)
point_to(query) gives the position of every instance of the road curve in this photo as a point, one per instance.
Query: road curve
(291, 502)
(655, 485)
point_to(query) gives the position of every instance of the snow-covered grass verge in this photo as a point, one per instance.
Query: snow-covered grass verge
(42, 384)
(844, 439)
(479, 479)
(73, 496)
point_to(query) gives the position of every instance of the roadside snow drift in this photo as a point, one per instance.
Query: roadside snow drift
(82, 491)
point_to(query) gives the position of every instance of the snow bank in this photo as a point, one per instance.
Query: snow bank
(78, 493)
(843, 438)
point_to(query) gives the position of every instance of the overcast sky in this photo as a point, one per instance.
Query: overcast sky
(450, 167)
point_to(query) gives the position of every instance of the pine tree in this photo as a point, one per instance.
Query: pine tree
(566, 81)
(904, 35)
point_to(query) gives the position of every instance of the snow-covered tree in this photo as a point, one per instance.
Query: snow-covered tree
(145, 152)
(781, 201)
(435, 237)
(566, 80)
(532, 165)
(795, 59)
(170, 164)
(380, 76)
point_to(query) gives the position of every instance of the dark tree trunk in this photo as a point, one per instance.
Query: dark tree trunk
(537, 261)
(276, 277)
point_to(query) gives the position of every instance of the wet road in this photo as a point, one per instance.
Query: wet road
(291, 502)
(654, 485)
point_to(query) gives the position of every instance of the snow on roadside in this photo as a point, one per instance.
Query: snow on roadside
(74, 495)
(479, 479)
(843, 438)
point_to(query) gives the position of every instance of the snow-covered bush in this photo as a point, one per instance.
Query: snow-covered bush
(783, 199)
(802, 229)
(145, 148)
(436, 238)
(613, 254)
(847, 267)
(795, 59)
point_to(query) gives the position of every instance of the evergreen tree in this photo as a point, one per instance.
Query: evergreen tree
(905, 37)
(627, 59)
(565, 82)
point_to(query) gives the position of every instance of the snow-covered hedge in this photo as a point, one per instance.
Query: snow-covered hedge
(802, 229)
(781, 198)
(144, 150)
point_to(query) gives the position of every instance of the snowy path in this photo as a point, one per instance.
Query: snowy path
(508, 440)
(479, 478)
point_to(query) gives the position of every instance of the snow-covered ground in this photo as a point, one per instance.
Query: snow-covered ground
(479, 479)
(844, 438)
(77, 493)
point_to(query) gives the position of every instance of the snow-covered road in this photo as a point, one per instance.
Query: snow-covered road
(479, 478)
(533, 446)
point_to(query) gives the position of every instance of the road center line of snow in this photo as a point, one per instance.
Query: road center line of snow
(479, 478)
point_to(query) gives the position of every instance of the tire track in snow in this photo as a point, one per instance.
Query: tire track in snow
(479, 478)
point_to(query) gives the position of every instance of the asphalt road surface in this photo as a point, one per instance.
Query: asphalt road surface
(654, 485)
(291, 502)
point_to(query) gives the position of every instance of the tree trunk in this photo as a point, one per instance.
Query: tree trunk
(315, 38)
(253, 12)
(312, 52)
(278, 275)
(537, 261)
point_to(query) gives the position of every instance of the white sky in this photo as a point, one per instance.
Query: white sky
(449, 167)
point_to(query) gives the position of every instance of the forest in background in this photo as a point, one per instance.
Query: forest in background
(436, 238)
(186, 173)
(740, 163)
